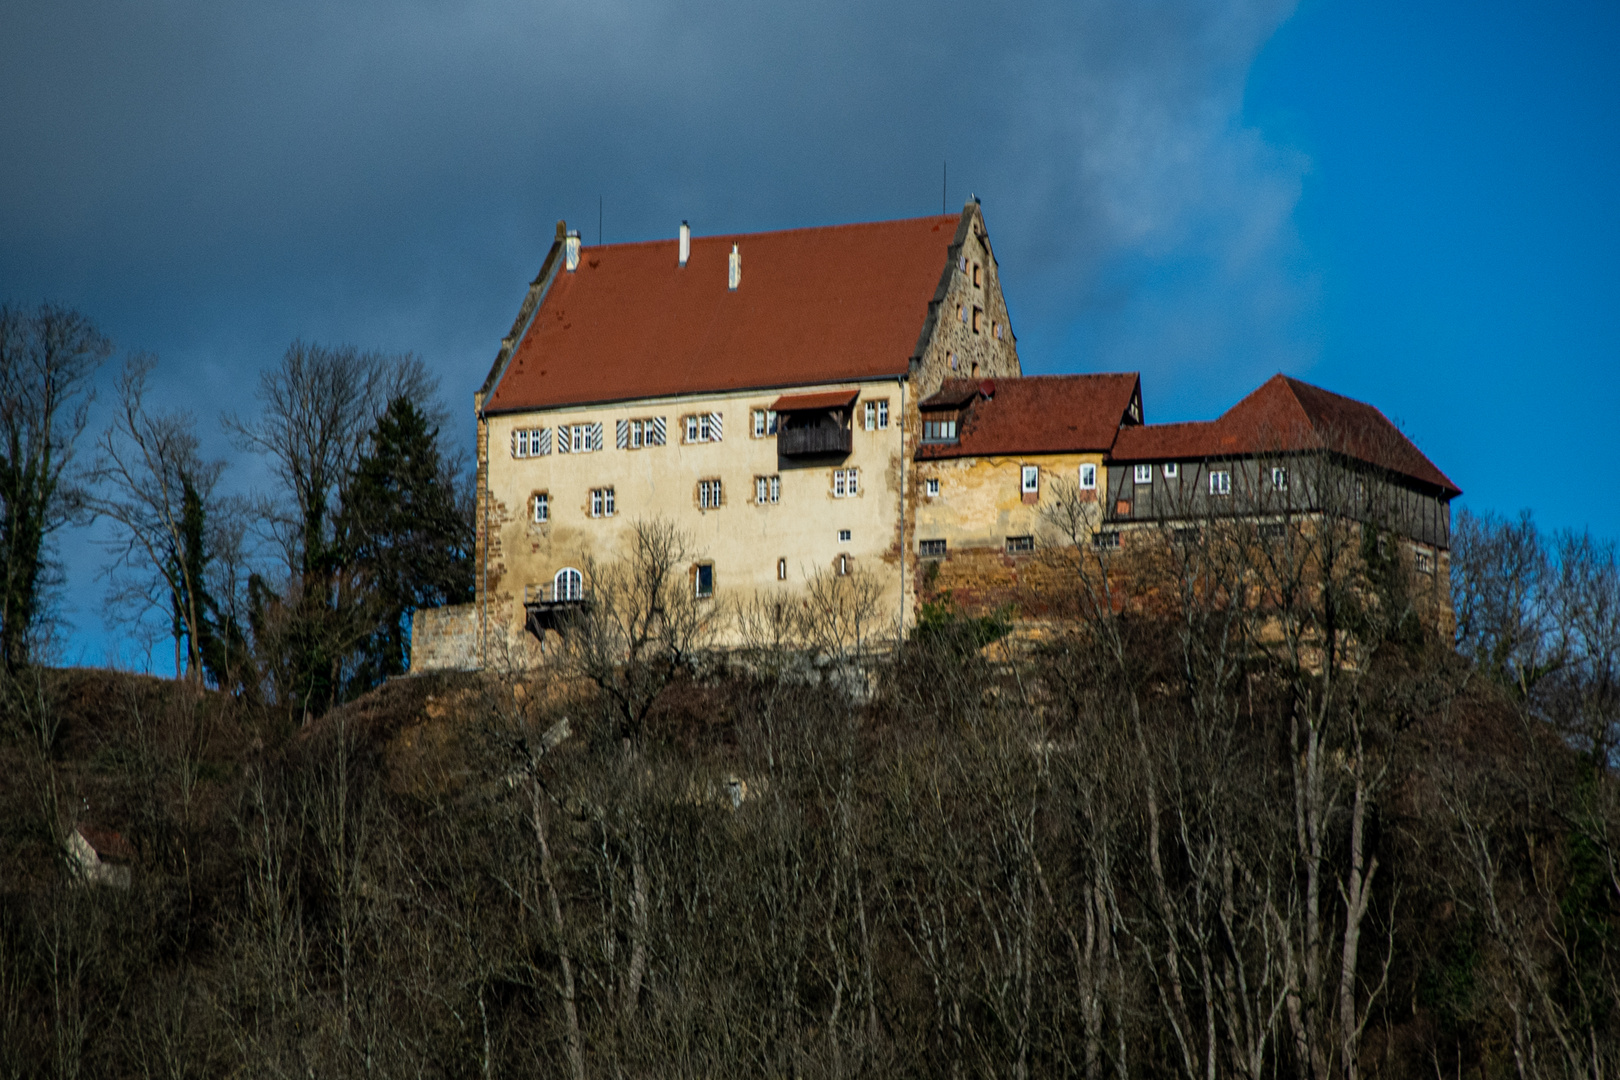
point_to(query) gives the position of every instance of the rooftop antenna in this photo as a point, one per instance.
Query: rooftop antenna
(944, 182)
(599, 221)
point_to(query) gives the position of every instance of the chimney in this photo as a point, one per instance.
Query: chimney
(686, 243)
(571, 250)
(734, 276)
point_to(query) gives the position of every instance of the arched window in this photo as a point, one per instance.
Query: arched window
(567, 585)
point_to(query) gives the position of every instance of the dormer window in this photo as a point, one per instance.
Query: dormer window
(939, 431)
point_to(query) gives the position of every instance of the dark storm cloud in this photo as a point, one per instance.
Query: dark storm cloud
(211, 179)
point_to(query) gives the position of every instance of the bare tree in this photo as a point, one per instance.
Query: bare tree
(158, 490)
(47, 358)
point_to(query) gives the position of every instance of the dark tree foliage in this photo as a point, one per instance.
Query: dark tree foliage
(47, 357)
(406, 537)
(220, 642)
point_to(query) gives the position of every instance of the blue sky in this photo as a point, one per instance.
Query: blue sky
(1411, 204)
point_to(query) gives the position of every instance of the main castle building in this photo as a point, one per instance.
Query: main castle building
(831, 401)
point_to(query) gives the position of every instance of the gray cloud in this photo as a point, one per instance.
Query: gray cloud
(210, 179)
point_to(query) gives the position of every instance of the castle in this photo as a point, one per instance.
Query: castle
(846, 400)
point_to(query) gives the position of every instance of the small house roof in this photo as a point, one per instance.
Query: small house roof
(831, 399)
(1037, 414)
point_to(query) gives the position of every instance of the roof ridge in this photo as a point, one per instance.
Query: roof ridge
(842, 225)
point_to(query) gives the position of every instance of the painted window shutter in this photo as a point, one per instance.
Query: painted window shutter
(545, 440)
(563, 446)
(658, 431)
(515, 445)
(622, 434)
(596, 436)
(714, 427)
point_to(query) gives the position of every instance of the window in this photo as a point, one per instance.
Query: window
(1107, 540)
(1088, 477)
(1170, 470)
(578, 438)
(635, 434)
(846, 483)
(931, 549)
(977, 281)
(1020, 545)
(997, 328)
(568, 585)
(1423, 561)
(978, 313)
(703, 581)
(1273, 530)
(781, 569)
(871, 416)
(602, 502)
(843, 536)
(709, 494)
(703, 427)
(1279, 479)
(843, 566)
(931, 487)
(961, 314)
(542, 508)
(1220, 482)
(1144, 474)
(764, 423)
(767, 489)
(939, 431)
(1031, 479)
(883, 414)
(531, 442)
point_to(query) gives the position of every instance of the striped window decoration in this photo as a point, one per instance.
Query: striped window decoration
(622, 434)
(531, 442)
(659, 432)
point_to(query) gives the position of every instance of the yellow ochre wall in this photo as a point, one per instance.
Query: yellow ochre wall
(742, 539)
(979, 505)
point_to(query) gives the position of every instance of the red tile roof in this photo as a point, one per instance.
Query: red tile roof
(1037, 414)
(845, 302)
(832, 399)
(1287, 415)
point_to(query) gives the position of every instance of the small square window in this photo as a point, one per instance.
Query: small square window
(1020, 545)
(1170, 470)
(542, 508)
(1279, 479)
(1423, 561)
(1220, 482)
(1144, 474)
(1031, 479)
(931, 487)
(843, 536)
(1088, 477)
(1106, 540)
(931, 548)
(703, 581)
(709, 494)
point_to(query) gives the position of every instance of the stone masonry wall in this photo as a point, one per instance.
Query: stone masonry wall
(444, 638)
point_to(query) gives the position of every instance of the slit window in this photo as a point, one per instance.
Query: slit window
(781, 569)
